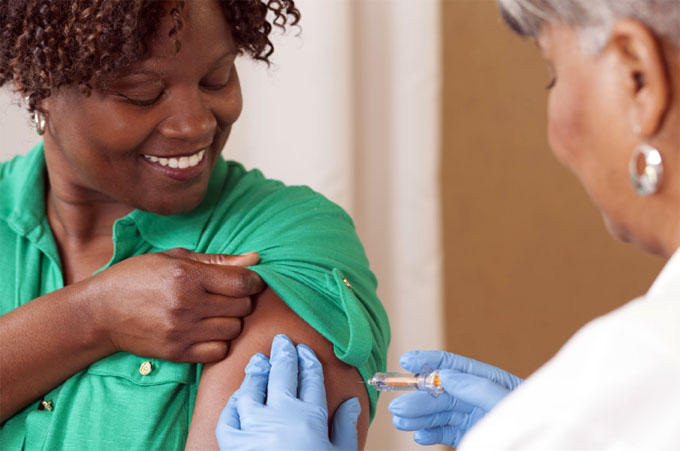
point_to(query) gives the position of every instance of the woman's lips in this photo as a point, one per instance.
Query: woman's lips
(178, 168)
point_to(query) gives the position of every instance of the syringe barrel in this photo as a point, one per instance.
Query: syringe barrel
(394, 381)
(425, 381)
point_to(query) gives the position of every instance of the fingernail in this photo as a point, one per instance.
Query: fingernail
(282, 347)
(355, 407)
(395, 406)
(307, 357)
(258, 364)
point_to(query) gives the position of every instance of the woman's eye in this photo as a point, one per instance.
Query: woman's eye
(218, 80)
(215, 86)
(140, 102)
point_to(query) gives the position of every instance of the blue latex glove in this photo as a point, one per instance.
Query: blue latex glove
(294, 415)
(471, 389)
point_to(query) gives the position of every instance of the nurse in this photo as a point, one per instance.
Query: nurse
(614, 120)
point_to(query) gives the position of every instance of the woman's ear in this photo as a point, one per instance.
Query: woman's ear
(643, 61)
(45, 105)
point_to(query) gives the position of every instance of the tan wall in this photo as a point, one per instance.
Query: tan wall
(528, 258)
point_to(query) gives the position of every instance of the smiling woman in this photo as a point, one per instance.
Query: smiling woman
(133, 240)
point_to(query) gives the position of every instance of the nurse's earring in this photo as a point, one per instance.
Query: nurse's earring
(646, 169)
(40, 121)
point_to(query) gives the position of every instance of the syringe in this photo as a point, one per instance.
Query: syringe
(425, 381)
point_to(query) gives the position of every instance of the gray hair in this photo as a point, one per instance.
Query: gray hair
(594, 18)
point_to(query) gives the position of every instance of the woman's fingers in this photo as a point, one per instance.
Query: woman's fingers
(215, 305)
(232, 281)
(221, 273)
(204, 352)
(248, 259)
(214, 329)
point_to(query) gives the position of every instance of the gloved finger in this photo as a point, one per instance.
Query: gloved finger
(474, 390)
(414, 361)
(414, 405)
(430, 421)
(229, 418)
(344, 428)
(446, 435)
(311, 388)
(283, 375)
(254, 385)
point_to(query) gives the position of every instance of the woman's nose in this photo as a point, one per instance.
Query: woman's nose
(190, 117)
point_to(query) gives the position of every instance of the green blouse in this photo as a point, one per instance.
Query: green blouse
(309, 255)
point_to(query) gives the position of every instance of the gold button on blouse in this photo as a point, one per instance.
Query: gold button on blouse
(145, 368)
(344, 279)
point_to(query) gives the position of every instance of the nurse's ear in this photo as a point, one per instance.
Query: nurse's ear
(640, 57)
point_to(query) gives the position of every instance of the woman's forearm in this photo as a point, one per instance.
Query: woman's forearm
(190, 314)
(46, 341)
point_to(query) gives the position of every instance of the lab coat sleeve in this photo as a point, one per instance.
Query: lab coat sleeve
(613, 385)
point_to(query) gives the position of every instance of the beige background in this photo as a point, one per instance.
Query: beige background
(351, 109)
(527, 257)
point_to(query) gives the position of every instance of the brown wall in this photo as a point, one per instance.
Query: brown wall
(528, 258)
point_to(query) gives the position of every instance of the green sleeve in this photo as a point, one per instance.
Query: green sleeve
(311, 257)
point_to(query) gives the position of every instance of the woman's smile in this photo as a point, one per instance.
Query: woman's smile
(180, 167)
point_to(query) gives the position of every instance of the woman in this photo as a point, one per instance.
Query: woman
(614, 120)
(122, 231)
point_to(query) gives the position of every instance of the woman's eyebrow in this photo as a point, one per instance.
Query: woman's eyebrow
(151, 74)
(229, 53)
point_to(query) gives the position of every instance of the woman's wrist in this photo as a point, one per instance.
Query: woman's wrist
(85, 302)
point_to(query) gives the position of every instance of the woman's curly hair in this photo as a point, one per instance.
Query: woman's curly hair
(47, 44)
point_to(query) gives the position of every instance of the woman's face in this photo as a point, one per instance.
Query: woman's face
(150, 139)
(589, 125)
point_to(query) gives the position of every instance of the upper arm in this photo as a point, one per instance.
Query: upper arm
(271, 316)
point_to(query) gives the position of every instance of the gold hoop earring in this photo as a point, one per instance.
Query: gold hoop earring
(40, 121)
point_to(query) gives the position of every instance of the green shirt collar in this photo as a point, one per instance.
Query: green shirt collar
(22, 190)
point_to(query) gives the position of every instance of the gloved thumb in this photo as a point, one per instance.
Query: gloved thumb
(344, 427)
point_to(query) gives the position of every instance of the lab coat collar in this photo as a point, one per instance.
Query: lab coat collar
(668, 280)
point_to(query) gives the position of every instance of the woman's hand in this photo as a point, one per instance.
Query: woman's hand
(471, 388)
(176, 305)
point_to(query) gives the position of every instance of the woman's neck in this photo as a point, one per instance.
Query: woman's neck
(79, 216)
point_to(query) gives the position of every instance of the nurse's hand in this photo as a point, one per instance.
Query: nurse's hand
(294, 415)
(471, 389)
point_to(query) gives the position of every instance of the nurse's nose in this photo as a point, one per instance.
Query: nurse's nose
(190, 117)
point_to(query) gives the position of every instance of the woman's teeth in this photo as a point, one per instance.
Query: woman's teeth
(178, 163)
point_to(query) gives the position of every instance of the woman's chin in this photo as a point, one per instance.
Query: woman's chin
(171, 207)
(616, 230)
(623, 234)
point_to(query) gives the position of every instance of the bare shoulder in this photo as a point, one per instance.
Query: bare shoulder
(271, 316)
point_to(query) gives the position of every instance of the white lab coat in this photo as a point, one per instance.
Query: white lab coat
(614, 385)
